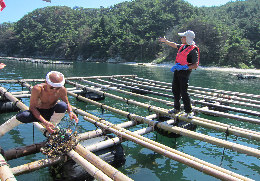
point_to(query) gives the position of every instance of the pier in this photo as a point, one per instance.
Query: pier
(134, 90)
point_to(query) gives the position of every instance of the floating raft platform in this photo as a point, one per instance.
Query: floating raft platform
(246, 76)
(204, 100)
(40, 61)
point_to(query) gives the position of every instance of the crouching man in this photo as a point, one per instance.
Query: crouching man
(44, 105)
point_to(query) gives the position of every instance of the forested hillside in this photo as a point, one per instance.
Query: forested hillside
(227, 35)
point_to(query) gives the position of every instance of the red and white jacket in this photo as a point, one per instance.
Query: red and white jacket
(183, 55)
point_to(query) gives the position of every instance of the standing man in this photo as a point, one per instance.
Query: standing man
(44, 105)
(187, 59)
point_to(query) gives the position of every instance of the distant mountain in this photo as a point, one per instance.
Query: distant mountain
(227, 35)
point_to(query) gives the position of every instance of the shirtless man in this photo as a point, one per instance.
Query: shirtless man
(44, 105)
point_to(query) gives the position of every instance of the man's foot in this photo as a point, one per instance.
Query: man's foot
(190, 115)
(174, 111)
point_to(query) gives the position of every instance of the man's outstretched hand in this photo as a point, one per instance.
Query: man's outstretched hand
(49, 127)
(73, 116)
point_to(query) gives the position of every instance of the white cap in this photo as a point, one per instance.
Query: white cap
(61, 84)
(190, 35)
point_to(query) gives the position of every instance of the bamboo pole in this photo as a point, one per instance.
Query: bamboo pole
(104, 166)
(22, 151)
(91, 169)
(8, 81)
(36, 165)
(227, 127)
(20, 92)
(22, 80)
(166, 148)
(20, 105)
(205, 110)
(193, 94)
(118, 175)
(113, 141)
(217, 126)
(143, 142)
(206, 89)
(240, 118)
(117, 140)
(69, 78)
(26, 168)
(5, 171)
(98, 132)
(100, 77)
(127, 87)
(228, 97)
(23, 96)
(86, 165)
(226, 101)
(228, 108)
(231, 116)
(178, 130)
(214, 94)
(16, 101)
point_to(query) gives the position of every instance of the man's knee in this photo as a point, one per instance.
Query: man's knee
(61, 107)
(25, 117)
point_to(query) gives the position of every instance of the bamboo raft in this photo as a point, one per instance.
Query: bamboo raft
(135, 89)
(246, 76)
(38, 61)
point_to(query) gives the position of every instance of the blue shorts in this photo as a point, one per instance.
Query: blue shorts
(28, 117)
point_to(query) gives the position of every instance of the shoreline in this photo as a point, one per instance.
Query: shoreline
(230, 69)
(224, 69)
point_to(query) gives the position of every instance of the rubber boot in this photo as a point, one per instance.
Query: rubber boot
(9, 125)
(56, 118)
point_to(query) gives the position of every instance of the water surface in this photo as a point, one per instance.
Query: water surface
(141, 164)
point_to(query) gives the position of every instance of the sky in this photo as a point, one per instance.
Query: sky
(16, 9)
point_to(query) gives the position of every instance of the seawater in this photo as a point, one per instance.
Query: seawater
(141, 164)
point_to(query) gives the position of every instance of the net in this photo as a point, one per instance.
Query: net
(62, 140)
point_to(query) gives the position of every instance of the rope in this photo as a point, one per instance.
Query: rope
(149, 109)
(227, 133)
(128, 116)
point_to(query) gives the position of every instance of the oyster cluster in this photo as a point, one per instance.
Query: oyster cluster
(60, 142)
